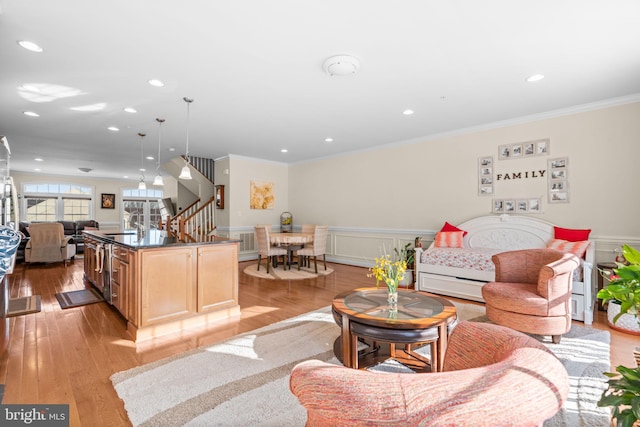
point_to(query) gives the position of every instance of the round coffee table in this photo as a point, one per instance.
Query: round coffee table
(419, 318)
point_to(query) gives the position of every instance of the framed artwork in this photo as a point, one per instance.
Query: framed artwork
(485, 176)
(531, 205)
(108, 201)
(538, 147)
(219, 196)
(261, 195)
(558, 180)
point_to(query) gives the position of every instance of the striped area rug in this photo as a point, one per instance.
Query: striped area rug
(244, 381)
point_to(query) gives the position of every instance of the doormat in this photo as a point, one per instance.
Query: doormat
(77, 298)
(24, 305)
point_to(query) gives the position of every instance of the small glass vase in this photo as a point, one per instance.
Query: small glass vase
(392, 299)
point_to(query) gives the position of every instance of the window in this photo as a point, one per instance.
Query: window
(141, 208)
(56, 202)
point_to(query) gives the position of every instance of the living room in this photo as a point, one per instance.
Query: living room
(406, 183)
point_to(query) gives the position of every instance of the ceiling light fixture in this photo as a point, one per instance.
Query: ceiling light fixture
(30, 46)
(328, 140)
(113, 128)
(407, 112)
(130, 110)
(341, 65)
(85, 170)
(156, 83)
(535, 78)
(141, 184)
(284, 150)
(185, 173)
(31, 114)
(158, 179)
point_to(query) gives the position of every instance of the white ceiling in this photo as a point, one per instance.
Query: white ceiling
(254, 70)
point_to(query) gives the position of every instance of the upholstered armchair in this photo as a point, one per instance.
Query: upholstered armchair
(532, 291)
(492, 376)
(48, 243)
(264, 246)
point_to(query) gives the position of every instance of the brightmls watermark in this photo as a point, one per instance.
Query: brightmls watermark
(34, 415)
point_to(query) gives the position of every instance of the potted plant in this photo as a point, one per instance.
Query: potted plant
(623, 292)
(406, 254)
(623, 394)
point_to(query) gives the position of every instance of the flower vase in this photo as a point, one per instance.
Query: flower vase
(392, 299)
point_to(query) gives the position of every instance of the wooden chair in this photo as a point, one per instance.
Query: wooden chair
(265, 249)
(319, 247)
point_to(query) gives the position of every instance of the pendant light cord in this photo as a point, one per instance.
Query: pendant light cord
(188, 101)
(160, 121)
(142, 135)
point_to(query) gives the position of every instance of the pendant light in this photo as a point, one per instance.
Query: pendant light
(185, 173)
(158, 179)
(141, 184)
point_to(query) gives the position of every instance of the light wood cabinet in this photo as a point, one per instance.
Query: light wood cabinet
(163, 288)
(168, 285)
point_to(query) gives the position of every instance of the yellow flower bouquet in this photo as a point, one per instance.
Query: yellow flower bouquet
(389, 271)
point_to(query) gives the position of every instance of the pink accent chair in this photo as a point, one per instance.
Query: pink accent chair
(532, 291)
(492, 376)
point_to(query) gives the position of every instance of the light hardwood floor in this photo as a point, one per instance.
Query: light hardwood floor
(67, 356)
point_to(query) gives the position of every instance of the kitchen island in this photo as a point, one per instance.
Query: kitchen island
(161, 285)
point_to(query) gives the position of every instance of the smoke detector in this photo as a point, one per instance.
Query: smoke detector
(341, 65)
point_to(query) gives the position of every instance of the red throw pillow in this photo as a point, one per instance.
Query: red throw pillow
(449, 227)
(571, 235)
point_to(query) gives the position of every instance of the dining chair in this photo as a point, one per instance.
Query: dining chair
(307, 229)
(319, 247)
(265, 249)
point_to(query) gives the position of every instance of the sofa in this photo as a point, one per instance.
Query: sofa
(492, 376)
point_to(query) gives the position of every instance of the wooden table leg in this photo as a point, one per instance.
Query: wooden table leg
(347, 345)
(442, 346)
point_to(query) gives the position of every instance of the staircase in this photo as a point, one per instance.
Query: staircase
(195, 223)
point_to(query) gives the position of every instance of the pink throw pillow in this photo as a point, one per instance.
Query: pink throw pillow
(576, 248)
(448, 239)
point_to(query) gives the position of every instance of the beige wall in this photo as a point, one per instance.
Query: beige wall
(421, 185)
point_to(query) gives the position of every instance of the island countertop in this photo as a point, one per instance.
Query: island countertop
(152, 238)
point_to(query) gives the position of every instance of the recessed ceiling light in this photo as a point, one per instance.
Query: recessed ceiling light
(39, 159)
(328, 140)
(156, 82)
(143, 170)
(130, 110)
(37, 169)
(30, 46)
(150, 158)
(535, 78)
(172, 148)
(284, 150)
(125, 176)
(31, 114)
(407, 112)
(113, 129)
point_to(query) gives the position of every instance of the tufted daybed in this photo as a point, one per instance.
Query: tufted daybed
(461, 272)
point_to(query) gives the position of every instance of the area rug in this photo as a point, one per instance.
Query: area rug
(24, 305)
(245, 380)
(280, 273)
(78, 298)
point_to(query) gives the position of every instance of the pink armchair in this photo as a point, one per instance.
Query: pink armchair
(493, 376)
(532, 291)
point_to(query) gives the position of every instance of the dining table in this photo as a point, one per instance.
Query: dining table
(292, 241)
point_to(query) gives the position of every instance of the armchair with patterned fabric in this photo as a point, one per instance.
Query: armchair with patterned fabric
(493, 376)
(532, 291)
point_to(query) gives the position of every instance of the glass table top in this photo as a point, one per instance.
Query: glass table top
(411, 305)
